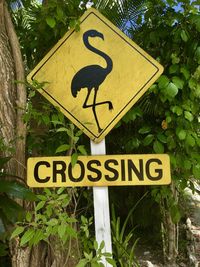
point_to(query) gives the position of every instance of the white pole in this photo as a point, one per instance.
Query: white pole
(101, 207)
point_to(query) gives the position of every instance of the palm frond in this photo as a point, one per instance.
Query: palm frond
(123, 13)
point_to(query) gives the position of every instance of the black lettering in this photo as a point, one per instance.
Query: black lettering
(94, 170)
(36, 172)
(139, 172)
(158, 171)
(59, 167)
(82, 172)
(114, 171)
(123, 170)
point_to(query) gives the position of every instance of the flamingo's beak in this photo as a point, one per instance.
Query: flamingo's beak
(101, 36)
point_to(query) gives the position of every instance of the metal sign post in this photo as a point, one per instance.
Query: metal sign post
(101, 207)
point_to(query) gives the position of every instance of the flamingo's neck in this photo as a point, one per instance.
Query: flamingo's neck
(100, 53)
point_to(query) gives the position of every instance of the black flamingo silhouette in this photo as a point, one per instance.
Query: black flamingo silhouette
(92, 76)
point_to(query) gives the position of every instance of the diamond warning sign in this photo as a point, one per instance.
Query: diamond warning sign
(95, 75)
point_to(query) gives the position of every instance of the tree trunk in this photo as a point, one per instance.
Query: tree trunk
(12, 96)
(169, 232)
(12, 108)
(7, 93)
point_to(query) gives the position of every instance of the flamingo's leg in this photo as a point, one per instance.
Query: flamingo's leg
(85, 105)
(94, 109)
(93, 106)
(110, 106)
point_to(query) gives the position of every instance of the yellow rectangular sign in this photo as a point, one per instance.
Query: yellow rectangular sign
(105, 170)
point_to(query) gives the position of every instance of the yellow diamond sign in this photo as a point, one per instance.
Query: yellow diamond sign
(95, 75)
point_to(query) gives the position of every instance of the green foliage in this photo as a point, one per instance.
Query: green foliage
(164, 195)
(58, 135)
(92, 253)
(10, 210)
(123, 244)
(16, 190)
(48, 219)
(39, 26)
(85, 237)
(96, 260)
(170, 122)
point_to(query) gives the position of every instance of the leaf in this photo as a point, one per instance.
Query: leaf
(173, 68)
(79, 133)
(145, 129)
(53, 222)
(158, 147)
(135, 142)
(106, 254)
(181, 134)
(28, 235)
(148, 139)
(71, 231)
(178, 110)
(62, 129)
(74, 159)
(62, 148)
(18, 230)
(82, 263)
(171, 90)
(46, 119)
(163, 81)
(88, 256)
(38, 236)
(95, 245)
(185, 72)
(75, 24)
(111, 261)
(11, 210)
(40, 205)
(28, 216)
(17, 190)
(60, 190)
(192, 83)
(63, 196)
(82, 150)
(196, 171)
(175, 58)
(175, 214)
(178, 82)
(42, 197)
(51, 22)
(190, 140)
(162, 138)
(188, 115)
(61, 230)
(102, 245)
(184, 36)
(55, 122)
(95, 264)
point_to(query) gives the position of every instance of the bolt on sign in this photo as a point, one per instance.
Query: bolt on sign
(115, 170)
(95, 75)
